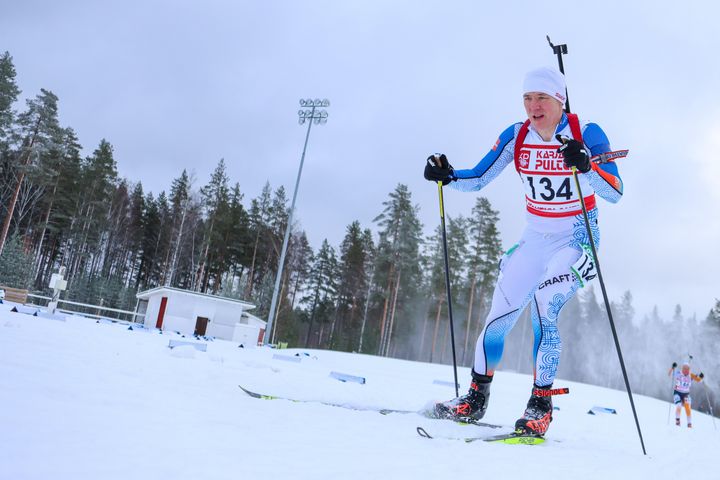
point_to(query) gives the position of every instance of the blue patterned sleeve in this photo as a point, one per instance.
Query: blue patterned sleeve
(500, 156)
(605, 177)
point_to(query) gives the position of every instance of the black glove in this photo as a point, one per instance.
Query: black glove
(701, 375)
(438, 169)
(674, 365)
(574, 154)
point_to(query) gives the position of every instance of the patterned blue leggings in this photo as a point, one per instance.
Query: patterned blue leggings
(536, 271)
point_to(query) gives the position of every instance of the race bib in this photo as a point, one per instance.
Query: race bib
(549, 187)
(584, 268)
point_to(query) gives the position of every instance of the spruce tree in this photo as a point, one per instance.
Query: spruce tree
(16, 266)
(98, 182)
(180, 206)
(215, 198)
(63, 207)
(161, 254)
(279, 213)
(352, 288)
(36, 134)
(53, 209)
(237, 232)
(713, 316)
(9, 92)
(436, 295)
(397, 272)
(274, 226)
(135, 232)
(322, 288)
(148, 243)
(371, 250)
(296, 276)
(458, 253)
(259, 229)
(484, 254)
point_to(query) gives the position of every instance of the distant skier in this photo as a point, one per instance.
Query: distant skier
(539, 269)
(681, 394)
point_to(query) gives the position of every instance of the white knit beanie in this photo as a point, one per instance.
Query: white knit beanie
(546, 80)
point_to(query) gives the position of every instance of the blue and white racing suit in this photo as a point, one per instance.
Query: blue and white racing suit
(538, 269)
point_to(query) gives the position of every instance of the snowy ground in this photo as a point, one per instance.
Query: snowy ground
(87, 400)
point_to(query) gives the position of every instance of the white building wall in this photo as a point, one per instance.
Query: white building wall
(153, 309)
(189, 309)
(175, 323)
(247, 335)
(253, 321)
(225, 332)
(228, 315)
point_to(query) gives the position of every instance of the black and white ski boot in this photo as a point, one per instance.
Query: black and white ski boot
(472, 405)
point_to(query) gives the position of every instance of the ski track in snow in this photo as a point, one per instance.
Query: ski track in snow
(80, 399)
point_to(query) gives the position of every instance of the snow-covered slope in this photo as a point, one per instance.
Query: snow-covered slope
(80, 399)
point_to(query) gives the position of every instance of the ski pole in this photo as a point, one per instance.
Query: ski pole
(559, 50)
(447, 281)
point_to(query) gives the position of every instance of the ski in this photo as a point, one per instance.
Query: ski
(382, 411)
(460, 420)
(513, 438)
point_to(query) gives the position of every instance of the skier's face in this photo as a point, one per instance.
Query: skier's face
(543, 110)
(685, 370)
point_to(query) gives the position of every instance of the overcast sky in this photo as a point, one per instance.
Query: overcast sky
(178, 85)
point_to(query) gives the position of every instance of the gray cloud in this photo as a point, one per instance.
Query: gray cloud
(176, 85)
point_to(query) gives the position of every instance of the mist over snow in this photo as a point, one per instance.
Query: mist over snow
(96, 400)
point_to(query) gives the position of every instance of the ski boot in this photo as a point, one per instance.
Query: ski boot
(471, 406)
(677, 422)
(538, 414)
